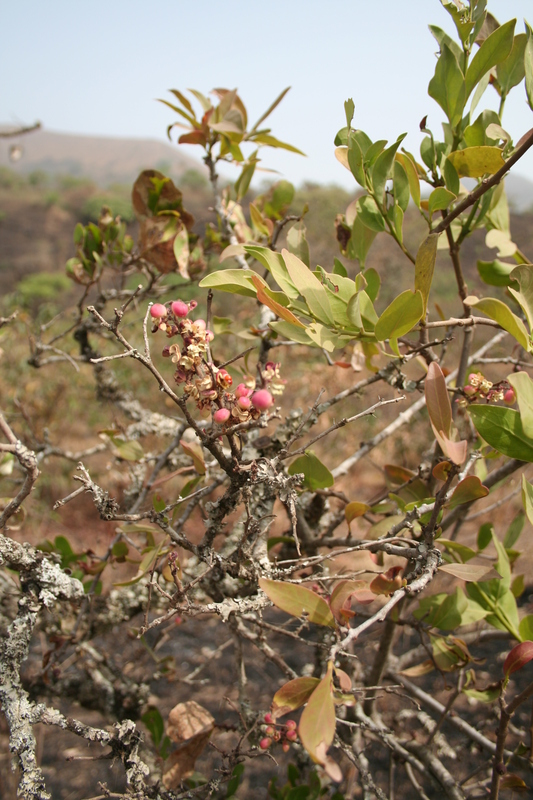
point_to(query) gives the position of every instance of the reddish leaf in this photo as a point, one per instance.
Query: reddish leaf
(441, 470)
(518, 658)
(387, 582)
(297, 601)
(195, 137)
(437, 400)
(469, 489)
(341, 598)
(419, 669)
(345, 682)
(397, 475)
(512, 781)
(317, 723)
(190, 725)
(293, 695)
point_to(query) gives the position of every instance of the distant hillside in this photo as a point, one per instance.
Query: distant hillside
(103, 159)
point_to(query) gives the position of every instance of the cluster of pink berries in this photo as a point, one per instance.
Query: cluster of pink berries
(209, 386)
(284, 734)
(480, 388)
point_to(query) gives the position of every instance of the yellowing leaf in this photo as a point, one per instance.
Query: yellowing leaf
(317, 723)
(354, 510)
(474, 162)
(297, 601)
(425, 265)
(195, 451)
(293, 695)
(468, 572)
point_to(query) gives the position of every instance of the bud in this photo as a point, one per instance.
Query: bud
(221, 415)
(158, 311)
(262, 400)
(265, 743)
(469, 390)
(509, 397)
(179, 308)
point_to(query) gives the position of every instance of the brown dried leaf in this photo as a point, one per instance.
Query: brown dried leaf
(190, 726)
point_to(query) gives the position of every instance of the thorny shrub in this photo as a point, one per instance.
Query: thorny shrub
(337, 562)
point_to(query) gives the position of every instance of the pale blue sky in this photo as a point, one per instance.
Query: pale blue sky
(97, 67)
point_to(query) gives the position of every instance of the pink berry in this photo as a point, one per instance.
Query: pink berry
(209, 335)
(221, 415)
(200, 324)
(244, 402)
(265, 743)
(262, 400)
(469, 390)
(158, 311)
(179, 308)
(291, 725)
(269, 719)
(270, 731)
(285, 747)
(292, 736)
(509, 397)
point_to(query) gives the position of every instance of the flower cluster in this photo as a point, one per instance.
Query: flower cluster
(210, 386)
(284, 734)
(480, 388)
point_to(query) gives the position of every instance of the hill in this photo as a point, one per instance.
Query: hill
(103, 159)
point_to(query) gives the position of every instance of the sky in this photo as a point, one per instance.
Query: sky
(97, 68)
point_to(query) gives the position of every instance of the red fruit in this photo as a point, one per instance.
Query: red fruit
(262, 400)
(158, 311)
(244, 402)
(268, 718)
(265, 743)
(509, 397)
(242, 391)
(221, 415)
(291, 725)
(292, 736)
(179, 308)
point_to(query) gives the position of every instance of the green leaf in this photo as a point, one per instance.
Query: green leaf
(412, 175)
(154, 722)
(382, 169)
(447, 86)
(484, 536)
(129, 451)
(297, 243)
(360, 241)
(444, 39)
(443, 611)
(235, 281)
(469, 489)
(309, 287)
(316, 474)
(474, 162)
(400, 185)
(293, 695)
(523, 386)
(528, 66)
(271, 141)
(495, 273)
(527, 498)
(502, 314)
(514, 530)
(511, 72)
(369, 214)
(424, 267)
(502, 429)
(292, 332)
(440, 198)
(297, 601)
(317, 723)
(492, 52)
(400, 316)
(349, 109)
(526, 628)
(523, 274)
